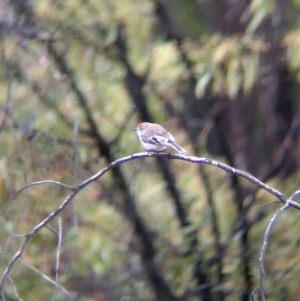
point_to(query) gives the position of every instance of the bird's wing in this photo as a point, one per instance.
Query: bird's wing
(157, 139)
(163, 138)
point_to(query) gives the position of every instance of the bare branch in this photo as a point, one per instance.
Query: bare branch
(97, 176)
(266, 241)
(57, 259)
(33, 184)
(45, 277)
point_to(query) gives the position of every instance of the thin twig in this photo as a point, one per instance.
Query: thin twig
(289, 203)
(33, 184)
(57, 259)
(45, 277)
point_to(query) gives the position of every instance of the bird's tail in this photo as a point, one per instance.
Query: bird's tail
(178, 148)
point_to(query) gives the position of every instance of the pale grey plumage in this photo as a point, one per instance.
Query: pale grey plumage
(154, 137)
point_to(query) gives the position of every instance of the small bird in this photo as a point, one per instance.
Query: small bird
(154, 137)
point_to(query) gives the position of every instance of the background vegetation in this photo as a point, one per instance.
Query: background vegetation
(77, 76)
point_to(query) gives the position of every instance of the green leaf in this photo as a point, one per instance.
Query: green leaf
(261, 9)
(111, 35)
(233, 77)
(203, 82)
(250, 66)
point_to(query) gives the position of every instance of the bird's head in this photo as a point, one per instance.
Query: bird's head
(140, 127)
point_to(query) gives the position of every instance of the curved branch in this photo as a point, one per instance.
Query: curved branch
(112, 165)
(33, 184)
(290, 202)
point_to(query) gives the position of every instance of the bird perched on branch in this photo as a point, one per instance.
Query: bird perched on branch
(154, 137)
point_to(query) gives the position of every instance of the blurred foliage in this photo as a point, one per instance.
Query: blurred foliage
(45, 135)
(259, 10)
(232, 65)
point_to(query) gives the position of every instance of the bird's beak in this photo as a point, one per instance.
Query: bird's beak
(135, 129)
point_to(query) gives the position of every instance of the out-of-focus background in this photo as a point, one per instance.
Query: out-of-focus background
(75, 78)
